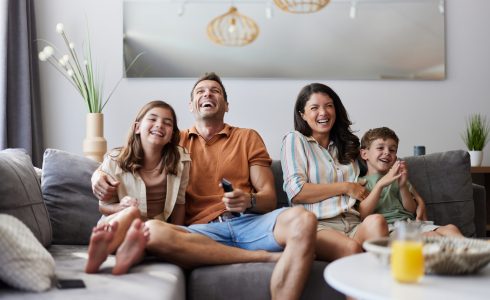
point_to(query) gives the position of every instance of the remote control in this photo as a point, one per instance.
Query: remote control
(227, 187)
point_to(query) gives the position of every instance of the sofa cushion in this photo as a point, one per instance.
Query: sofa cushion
(149, 280)
(282, 197)
(24, 263)
(444, 182)
(66, 188)
(20, 193)
(255, 279)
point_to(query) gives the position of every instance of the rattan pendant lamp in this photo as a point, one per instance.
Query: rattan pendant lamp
(233, 29)
(301, 6)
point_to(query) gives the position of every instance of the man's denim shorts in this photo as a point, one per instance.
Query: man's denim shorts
(249, 231)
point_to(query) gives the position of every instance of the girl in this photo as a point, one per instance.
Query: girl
(150, 173)
(319, 162)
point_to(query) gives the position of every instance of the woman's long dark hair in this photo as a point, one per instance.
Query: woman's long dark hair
(130, 157)
(341, 134)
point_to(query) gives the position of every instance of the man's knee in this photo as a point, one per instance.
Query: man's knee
(300, 223)
(162, 236)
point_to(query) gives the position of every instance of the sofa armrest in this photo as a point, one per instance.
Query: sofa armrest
(479, 198)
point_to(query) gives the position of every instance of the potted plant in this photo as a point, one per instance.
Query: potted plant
(476, 137)
(81, 73)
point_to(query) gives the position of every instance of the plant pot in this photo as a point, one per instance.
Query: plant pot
(476, 158)
(94, 144)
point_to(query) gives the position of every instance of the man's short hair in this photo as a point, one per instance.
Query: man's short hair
(378, 133)
(214, 77)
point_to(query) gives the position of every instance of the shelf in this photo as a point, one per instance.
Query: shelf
(480, 170)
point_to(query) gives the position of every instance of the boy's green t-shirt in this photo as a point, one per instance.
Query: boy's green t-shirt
(390, 202)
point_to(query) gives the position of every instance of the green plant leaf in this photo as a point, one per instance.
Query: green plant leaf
(476, 135)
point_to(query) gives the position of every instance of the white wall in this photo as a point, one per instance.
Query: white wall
(430, 113)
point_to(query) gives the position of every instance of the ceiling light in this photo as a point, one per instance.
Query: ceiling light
(353, 9)
(301, 6)
(441, 6)
(268, 11)
(233, 29)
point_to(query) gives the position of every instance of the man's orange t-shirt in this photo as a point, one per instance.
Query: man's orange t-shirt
(229, 154)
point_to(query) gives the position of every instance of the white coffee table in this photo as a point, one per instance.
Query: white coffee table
(362, 276)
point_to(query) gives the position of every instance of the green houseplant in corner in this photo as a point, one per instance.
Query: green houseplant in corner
(476, 137)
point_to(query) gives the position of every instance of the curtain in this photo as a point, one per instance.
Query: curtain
(20, 107)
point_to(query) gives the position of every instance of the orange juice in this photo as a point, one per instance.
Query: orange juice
(407, 261)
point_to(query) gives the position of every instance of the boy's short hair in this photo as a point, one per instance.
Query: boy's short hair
(378, 133)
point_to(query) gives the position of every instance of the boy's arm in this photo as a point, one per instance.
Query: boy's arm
(407, 197)
(420, 213)
(368, 205)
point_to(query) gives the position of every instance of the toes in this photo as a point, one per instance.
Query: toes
(114, 225)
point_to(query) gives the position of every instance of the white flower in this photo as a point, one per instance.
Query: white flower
(64, 60)
(42, 56)
(48, 51)
(81, 77)
(59, 28)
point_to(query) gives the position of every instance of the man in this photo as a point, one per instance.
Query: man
(218, 151)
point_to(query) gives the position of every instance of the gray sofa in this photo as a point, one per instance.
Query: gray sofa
(62, 210)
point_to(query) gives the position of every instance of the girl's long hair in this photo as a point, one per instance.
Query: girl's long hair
(130, 157)
(341, 134)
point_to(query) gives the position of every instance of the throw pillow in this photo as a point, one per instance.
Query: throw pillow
(67, 192)
(20, 193)
(444, 182)
(24, 263)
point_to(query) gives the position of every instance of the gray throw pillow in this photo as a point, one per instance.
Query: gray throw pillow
(444, 182)
(67, 192)
(20, 193)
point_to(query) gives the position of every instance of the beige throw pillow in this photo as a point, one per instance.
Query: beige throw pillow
(24, 263)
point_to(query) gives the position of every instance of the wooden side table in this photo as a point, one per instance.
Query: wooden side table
(481, 176)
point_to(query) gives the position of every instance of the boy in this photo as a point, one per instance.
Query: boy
(390, 192)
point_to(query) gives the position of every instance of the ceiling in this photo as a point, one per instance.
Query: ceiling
(397, 39)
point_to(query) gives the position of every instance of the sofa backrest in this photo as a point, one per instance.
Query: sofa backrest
(444, 182)
(282, 198)
(442, 179)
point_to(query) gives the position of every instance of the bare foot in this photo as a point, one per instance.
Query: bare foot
(132, 248)
(102, 235)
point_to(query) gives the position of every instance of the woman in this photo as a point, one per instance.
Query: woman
(319, 162)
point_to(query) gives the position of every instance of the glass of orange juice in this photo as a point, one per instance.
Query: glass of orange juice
(407, 259)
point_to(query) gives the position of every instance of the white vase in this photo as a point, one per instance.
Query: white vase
(94, 144)
(476, 158)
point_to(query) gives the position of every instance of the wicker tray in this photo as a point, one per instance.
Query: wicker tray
(442, 255)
